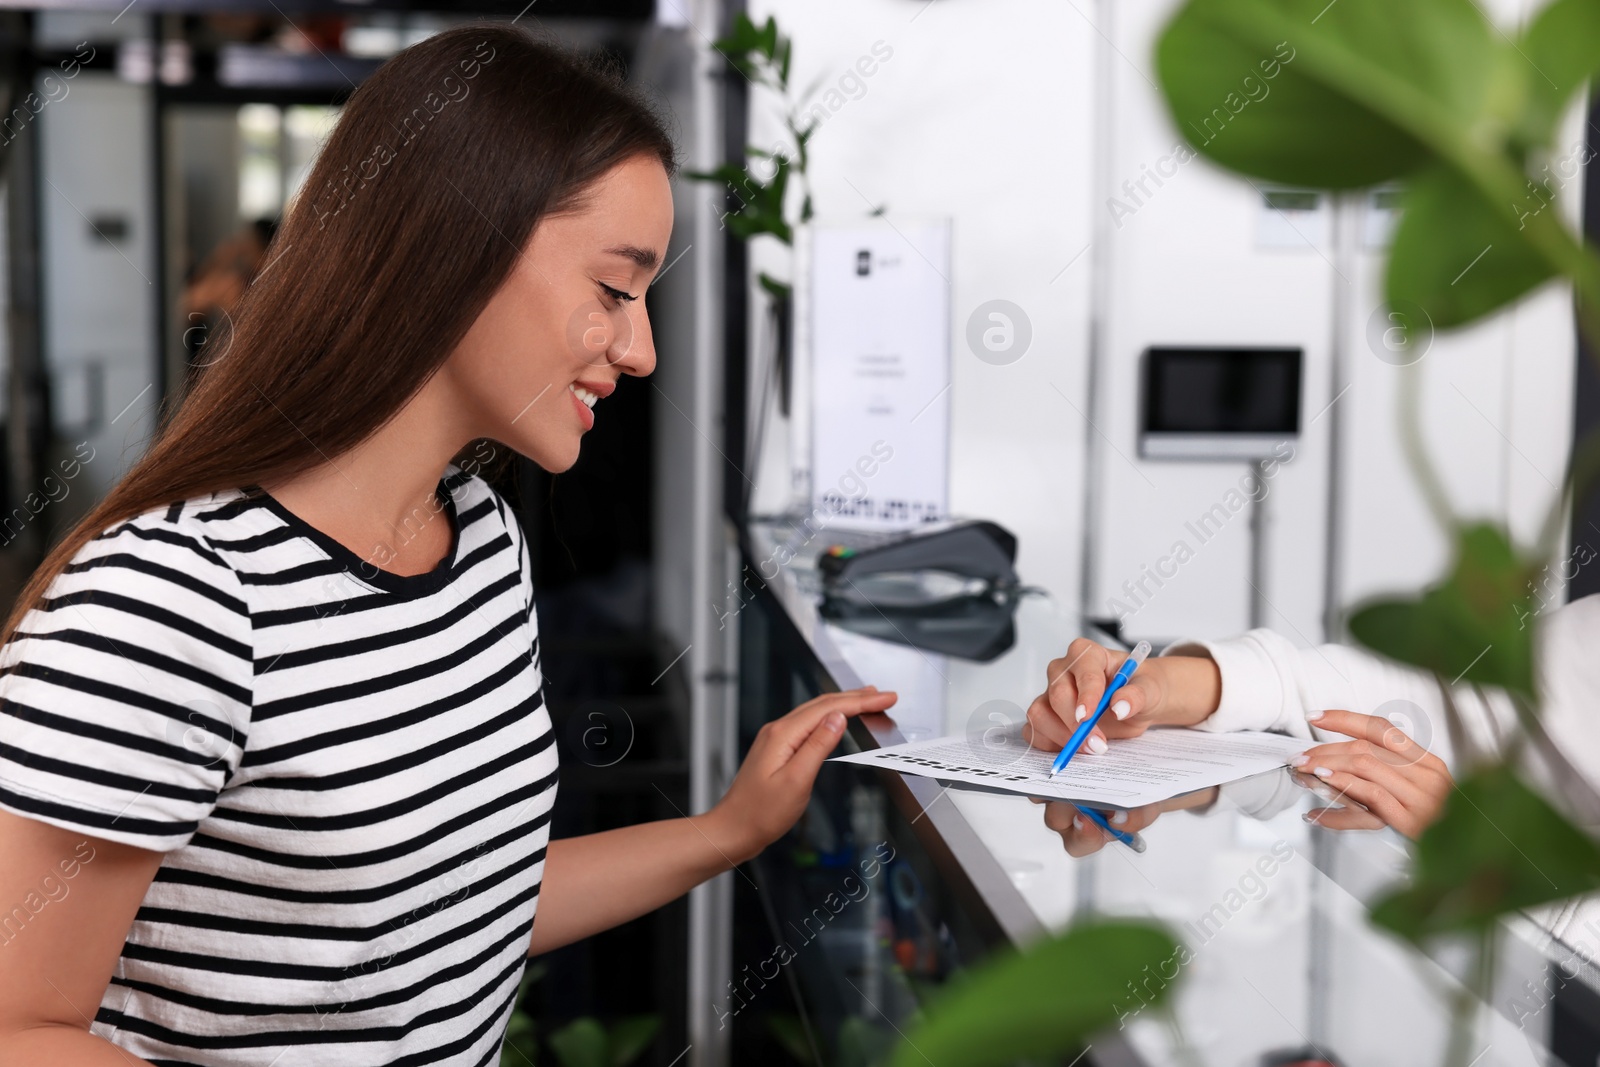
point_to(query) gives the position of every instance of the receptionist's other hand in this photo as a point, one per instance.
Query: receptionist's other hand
(1164, 691)
(1393, 780)
(1081, 837)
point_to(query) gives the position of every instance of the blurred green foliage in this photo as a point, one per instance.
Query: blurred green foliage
(584, 1042)
(1499, 847)
(1471, 626)
(1048, 999)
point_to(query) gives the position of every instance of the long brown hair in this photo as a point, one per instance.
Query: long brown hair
(412, 217)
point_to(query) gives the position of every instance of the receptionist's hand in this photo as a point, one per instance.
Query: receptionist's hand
(1081, 837)
(1393, 780)
(1165, 691)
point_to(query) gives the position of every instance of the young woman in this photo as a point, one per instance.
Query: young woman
(275, 769)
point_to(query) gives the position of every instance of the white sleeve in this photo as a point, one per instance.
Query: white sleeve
(1269, 683)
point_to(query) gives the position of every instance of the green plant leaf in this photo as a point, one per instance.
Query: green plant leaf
(749, 48)
(776, 289)
(1562, 49)
(1474, 626)
(1045, 1000)
(1455, 255)
(520, 1048)
(862, 1043)
(1324, 95)
(762, 211)
(581, 1043)
(767, 39)
(1497, 848)
(790, 1033)
(785, 52)
(760, 208)
(630, 1038)
(741, 40)
(725, 173)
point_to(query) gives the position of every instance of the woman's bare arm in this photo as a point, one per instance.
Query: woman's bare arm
(597, 881)
(66, 903)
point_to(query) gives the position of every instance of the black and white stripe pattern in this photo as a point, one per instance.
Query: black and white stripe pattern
(350, 772)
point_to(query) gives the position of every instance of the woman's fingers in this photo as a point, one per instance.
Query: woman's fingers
(1344, 819)
(807, 759)
(1078, 679)
(845, 698)
(1081, 836)
(1111, 726)
(1383, 768)
(1128, 715)
(774, 782)
(1390, 743)
(792, 731)
(1044, 728)
(1076, 684)
(802, 720)
(1375, 798)
(1134, 819)
(1408, 795)
(1357, 758)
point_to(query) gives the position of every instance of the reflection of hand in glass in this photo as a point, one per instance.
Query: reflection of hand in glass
(1393, 780)
(1081, 837)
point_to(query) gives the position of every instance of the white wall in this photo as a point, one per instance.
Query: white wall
(981, 113)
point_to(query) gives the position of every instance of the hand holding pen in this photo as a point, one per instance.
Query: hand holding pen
(1087, 724)
(1081, 734)
(1169, 690)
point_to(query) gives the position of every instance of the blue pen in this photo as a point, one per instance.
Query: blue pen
(1133, 841)
(1129, 665)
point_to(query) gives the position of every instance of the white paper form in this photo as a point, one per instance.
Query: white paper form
(1134, 771)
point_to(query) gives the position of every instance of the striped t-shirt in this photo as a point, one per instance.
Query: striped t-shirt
(350, 773)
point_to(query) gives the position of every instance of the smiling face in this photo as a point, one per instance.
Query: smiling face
(569, 320)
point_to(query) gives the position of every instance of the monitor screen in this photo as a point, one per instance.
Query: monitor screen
(1222, 391)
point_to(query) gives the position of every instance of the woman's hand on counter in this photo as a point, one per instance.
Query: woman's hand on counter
(774, 782)
(1393, 780)
(1081, 837)
(1164, 691)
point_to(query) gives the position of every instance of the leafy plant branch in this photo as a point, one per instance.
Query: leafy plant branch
(762, 55)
